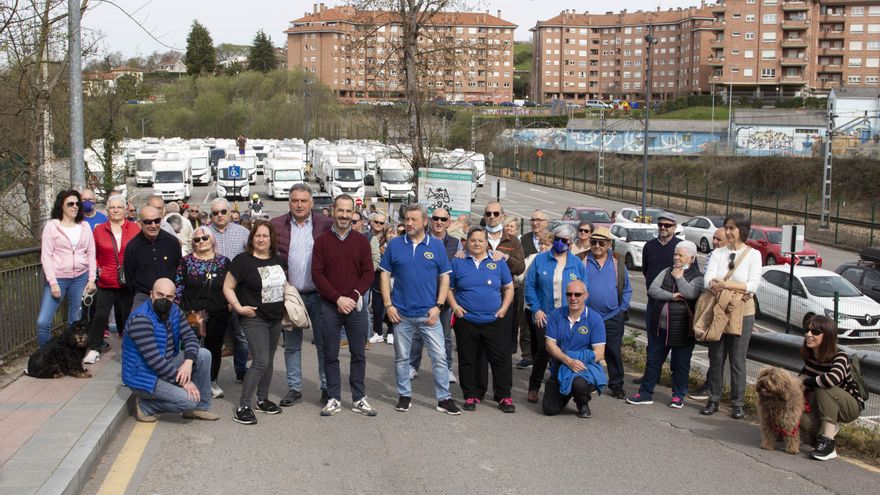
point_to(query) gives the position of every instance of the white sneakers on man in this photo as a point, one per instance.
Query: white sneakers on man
(92, 357)
(216, 391)
(376, 338)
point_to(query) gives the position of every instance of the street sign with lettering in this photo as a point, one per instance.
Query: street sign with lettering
(446, 188)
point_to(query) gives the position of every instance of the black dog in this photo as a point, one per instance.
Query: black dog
(62, 355)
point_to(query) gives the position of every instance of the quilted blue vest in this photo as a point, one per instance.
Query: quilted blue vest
(136, 373)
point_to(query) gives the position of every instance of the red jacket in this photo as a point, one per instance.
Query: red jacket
(104, 254)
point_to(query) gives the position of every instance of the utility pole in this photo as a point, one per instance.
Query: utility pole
(600, 169)
(473, 133)
(516, 143)
(308, 114)
(826, 170)
(650, 41)
(77, 167)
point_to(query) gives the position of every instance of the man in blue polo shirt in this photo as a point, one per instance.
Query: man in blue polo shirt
(610, 295)
(576, 342)
(418, 263)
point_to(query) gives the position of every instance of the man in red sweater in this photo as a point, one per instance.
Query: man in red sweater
(342, 269)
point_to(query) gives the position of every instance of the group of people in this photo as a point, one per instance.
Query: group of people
(355, 280)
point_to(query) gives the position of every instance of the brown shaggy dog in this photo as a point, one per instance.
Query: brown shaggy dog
(780, 406)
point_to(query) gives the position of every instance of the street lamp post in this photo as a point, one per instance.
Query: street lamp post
(307, 110)
(650, 41)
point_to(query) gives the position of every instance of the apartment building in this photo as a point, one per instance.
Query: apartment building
(603, 56)
(463, 55)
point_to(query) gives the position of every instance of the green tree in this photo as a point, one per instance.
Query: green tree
(200, 58)
(262, 53)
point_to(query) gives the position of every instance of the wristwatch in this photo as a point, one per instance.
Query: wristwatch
(439, 306)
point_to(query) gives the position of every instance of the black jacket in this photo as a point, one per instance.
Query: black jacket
(147, 261)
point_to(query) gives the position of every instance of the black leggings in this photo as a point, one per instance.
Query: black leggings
(215, 332)
(120, 301)
(540, 358)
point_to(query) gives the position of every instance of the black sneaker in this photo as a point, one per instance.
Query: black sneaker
(506, 405)
(524, 364)
(268, 407)
(325, 396)
(403, 404)
(292, 397)
(239, 377)
(245, 415)
(618, 393)
(824, 449)
(584, 411)
(448, 406)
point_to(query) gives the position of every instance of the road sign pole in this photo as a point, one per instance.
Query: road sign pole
(792, 250)
(498, 190)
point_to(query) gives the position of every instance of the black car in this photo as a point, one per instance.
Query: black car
(322, 200)
(865, 273)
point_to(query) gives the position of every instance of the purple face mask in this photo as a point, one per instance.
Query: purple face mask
(560, 246)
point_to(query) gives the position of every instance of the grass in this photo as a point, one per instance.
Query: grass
(694, 113)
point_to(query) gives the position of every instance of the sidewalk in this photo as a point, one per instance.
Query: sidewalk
(54, 431)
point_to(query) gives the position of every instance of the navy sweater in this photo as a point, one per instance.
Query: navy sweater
(656, 257)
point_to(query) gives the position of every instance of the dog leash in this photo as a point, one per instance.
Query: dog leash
(796, 430)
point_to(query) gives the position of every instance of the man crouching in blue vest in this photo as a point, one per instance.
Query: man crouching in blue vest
(160, 376)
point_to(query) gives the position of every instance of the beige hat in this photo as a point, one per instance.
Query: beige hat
(601, 233)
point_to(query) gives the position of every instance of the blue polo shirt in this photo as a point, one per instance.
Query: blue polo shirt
(415, 268)
(602, 286)
(587, 331)
(478, 288)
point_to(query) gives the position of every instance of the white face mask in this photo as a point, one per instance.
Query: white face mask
(495, 229)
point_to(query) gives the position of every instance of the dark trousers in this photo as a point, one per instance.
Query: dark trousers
(262, 336)
(492, 341)
(515, 312)
(540, 358)
(355, 325)
(554, 402)
(613, 343)
(525, 334)
(483, 361)
(215, 333)
(378, 307)
(656, 356)
(120, 301)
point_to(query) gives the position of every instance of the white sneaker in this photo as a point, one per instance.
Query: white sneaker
(390, 339)
(452, 378)
(363, 407)
(376, 338)
(216, 391)
(333, 406)
(92, 357)
(413, 373)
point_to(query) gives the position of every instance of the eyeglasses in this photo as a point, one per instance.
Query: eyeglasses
(815, 331)
(490, 214)
(537, 219)
(214, 213)
(151, 221)
(439, 219)
(194, 211)
(597, 242)
(203, 238)
(574, 294)
(378, 222)
(730, 263)
(666, 225)
(585, 231)
(72, 204)
(562, 239)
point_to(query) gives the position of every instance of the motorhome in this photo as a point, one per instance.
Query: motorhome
(343, 174)
(172, 177)
(394, 179)
(143, 160)
(248, 161)
(199, 162)
(95, 173)
(283, 171)
(232, 182)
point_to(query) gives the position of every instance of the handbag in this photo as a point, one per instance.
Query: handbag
(120, 271)
(703, 332)
(197, 319)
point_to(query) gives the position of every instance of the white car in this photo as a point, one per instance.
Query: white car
(700, 230)
(629, 215)
(813, 294)
(630, 239)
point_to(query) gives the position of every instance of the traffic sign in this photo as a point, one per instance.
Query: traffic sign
(540, 153)
(234, 172)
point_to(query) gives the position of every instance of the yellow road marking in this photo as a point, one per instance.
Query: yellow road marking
(120, 474)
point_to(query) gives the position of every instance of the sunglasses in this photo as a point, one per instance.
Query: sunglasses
(574, 294)
(666, 225)
(730, 263)
(72, 204)
(378, 222)
(214, 213)
(203, 238)
(440, 219)
(151, 221)
(815, 331)
(567, 241)
(537, 219)
(585, 231)
(490, 214)
(597, 242)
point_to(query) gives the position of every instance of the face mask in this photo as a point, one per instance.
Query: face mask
(162, 307)
(559, 246)
(494, 229)
(88, 206)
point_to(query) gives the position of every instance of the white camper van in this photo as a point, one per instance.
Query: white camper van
(172, 178)
(394, 179)
(229, 184)
(282, 172)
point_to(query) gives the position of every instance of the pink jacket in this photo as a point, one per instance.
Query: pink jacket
(62, 260)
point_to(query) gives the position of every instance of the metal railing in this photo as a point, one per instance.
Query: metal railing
(21, 289)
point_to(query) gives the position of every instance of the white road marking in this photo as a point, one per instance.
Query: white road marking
(530, 197)
(537, 190)
(208, 196)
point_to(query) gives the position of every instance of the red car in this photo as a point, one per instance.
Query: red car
(768, 241)
(597, 216)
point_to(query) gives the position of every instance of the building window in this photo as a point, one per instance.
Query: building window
(872, 62)
(871, 79)
(874, 28)
(856, 11)
(856, 28)
(768, 73)
(873, 45)
(768, 54)
(854, 79)
(768, 19)
(873, 12)
(748, 72)
(855, 45)
(855, 62)
(750, 36)
(768, 36)
(749, 54)
(750, 17)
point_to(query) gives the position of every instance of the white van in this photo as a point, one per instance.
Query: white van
(143, 162)
(95, 173)
(172, 177)
(394, 179)
(230, 186)
(282, 173)
(248, 161)
(344, 174)
(199, 162)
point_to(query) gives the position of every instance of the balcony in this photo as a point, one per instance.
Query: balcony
(831, 50)
(717, 43)
(829, 84)
(798, 79)
(831, 68)
(716, 61)
(831, 35)
(793, 62)
(719, 8)
(795, 24)
(794, 43)
(795, 6)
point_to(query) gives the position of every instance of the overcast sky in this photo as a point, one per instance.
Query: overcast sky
(237, 21)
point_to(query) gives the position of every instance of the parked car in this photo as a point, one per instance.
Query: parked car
(813, 292)
(506, 104)
(700, 230)
(865, 273)
(529, 103)
(629, 241)
(321, 200)
(599, 217)
(629, 215)
(768, 241)
(596, 104)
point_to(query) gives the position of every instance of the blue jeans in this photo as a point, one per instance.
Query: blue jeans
(72, 289)
(680, 364)
(431, 335)
(240, 349)
(357, 327)
(293, 345)
(171, 398)
(415, 359)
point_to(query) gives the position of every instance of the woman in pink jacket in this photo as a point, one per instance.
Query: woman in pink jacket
(68, 257)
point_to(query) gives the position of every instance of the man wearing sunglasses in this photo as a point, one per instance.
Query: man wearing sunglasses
(657, 255)
(610, 296)
(377, 225)
(150, 255)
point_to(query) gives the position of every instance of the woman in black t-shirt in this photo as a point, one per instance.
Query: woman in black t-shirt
(254, 287)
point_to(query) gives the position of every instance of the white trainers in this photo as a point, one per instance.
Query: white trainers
(390, 339)
(216, 391)
(376, 338)
(363, 407)
(413, 373)
(333, 406)
(452, 378)
(92, 357)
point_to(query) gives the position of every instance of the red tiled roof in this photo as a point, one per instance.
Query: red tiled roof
(645, 17)
(349, 15)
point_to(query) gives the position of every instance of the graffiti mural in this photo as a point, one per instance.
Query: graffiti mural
(624, 142)
(781, 141)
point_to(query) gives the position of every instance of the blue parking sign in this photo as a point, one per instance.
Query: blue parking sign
(234, 172)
